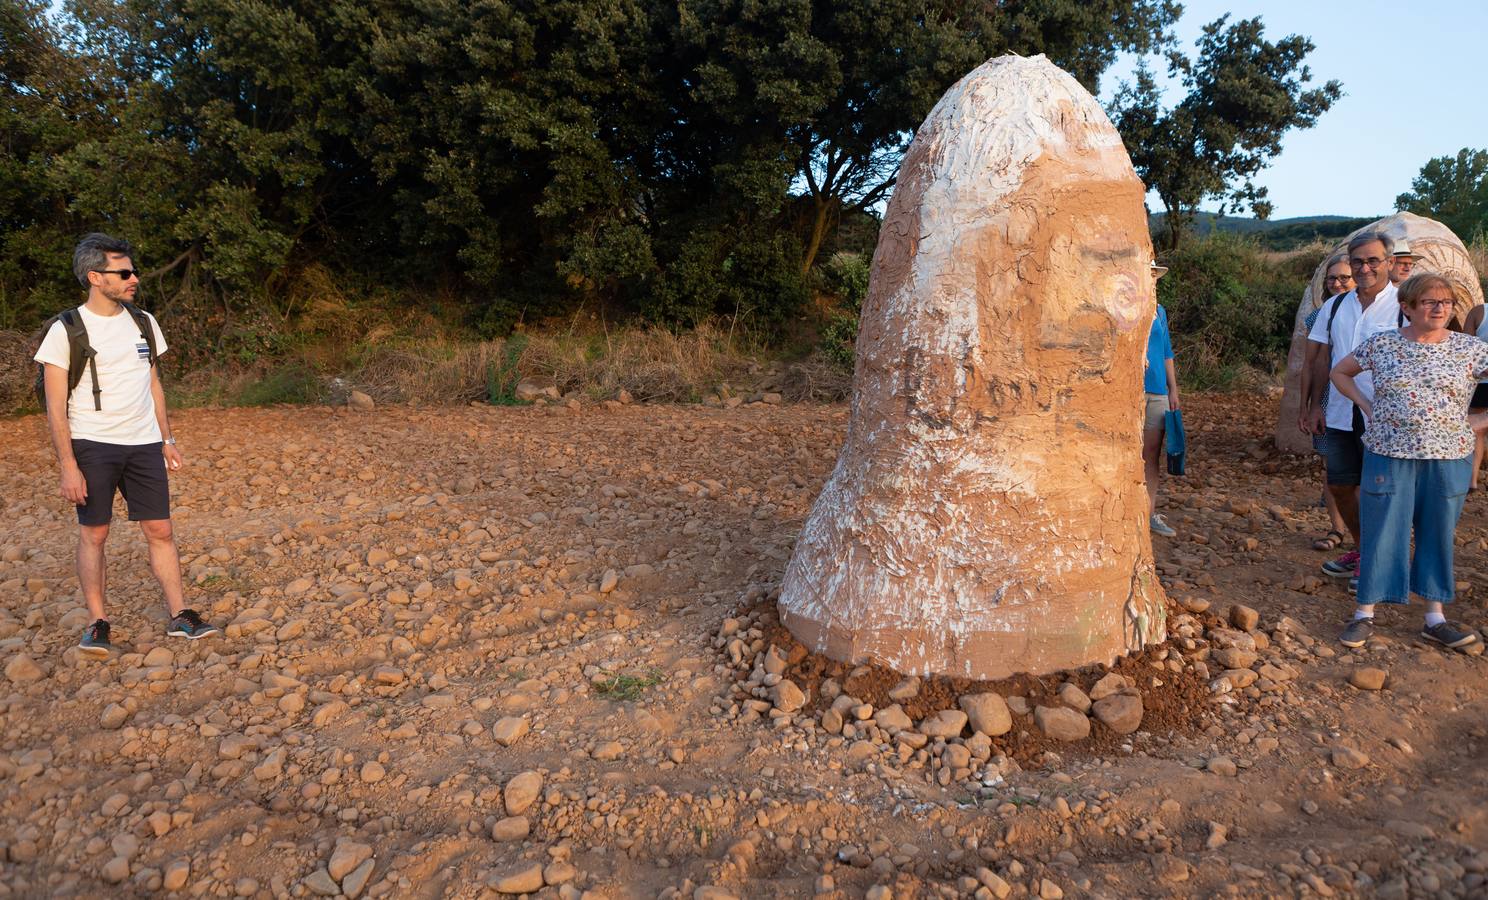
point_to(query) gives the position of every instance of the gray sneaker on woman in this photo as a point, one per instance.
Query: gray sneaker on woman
(1357, 633)
(1449, 635)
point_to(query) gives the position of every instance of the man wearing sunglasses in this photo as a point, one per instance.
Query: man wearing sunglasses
(111, 433)
(1370, 308)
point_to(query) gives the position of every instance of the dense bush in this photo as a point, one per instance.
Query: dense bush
(1231, 306)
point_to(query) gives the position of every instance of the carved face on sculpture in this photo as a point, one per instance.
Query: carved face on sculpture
(1094, 281)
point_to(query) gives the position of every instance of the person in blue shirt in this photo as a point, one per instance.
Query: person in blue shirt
(1160, 382)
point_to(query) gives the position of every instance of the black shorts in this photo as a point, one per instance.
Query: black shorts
(1343, 453)
(136, 470)
(1479, 397)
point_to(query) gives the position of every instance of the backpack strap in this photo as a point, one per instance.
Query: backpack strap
(142, 320)
(1337, 302)
(79, 352)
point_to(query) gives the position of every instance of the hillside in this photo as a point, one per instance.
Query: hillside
(1274, 234)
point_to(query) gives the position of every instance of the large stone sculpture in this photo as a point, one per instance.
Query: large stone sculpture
(987, 515)
(1440, 251)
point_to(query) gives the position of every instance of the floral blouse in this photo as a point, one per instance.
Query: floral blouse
(1421, 393)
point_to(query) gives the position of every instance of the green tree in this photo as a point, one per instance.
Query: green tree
(47, 107)
(889, 61)
(1243, 94)
(1452, 190)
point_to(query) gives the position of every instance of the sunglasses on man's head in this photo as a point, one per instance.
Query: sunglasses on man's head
(124, 274)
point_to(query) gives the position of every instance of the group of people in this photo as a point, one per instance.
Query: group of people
(1394, 391)
(1391, 393)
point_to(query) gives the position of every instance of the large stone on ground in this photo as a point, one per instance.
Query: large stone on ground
(1011, 285)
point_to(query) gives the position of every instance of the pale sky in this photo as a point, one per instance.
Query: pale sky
(1413, 82)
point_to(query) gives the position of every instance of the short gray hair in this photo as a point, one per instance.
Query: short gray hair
(1370, 237)
(1334, 260)
(92, 254)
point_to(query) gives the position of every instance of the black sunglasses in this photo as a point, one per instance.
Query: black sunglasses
(124, 274)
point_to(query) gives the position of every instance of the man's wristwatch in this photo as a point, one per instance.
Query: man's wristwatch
(171, 441)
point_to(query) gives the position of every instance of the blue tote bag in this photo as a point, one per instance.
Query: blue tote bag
(1177, 441)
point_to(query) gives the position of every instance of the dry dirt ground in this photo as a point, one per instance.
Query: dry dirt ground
(478, 651)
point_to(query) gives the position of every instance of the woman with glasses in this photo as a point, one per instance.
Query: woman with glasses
(1338, 279)
(1418, 441)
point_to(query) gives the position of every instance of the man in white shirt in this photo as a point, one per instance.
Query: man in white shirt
(1371, 307)
(111, 432)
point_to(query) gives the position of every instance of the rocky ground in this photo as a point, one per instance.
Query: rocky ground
(484, 651)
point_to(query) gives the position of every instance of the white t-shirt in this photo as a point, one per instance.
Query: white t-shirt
(1351, 327)
(128, 413)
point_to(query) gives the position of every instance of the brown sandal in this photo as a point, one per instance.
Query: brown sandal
(1331, 541)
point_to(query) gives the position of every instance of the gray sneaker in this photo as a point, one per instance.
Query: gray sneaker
(1160, 526)
(1357, 633)
(1449, 635)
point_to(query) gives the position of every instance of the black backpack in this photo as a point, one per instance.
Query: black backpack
(80, 351)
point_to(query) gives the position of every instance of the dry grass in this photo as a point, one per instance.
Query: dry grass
(651, 364)
(1477, 251)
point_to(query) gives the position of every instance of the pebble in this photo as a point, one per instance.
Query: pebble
(987, 713)
(177, 872)
(320, 882)
(512, 828)
(891, 719)
(115, 870)
(947, 723)
(907, 689)
(113, 717)
(21, 669)
(1368, 678)
(521, 792)
(509, 730)
(1244, 618)
(1222, 765)
(608, 751)
(1122, 713)
(347, 856)
(1349, 758)
(788, 696)
(1111, 683)
(1218, 836)
(1071, 695)
(373, 772)
(524, 879)
(1062, 723)
(353, 884)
